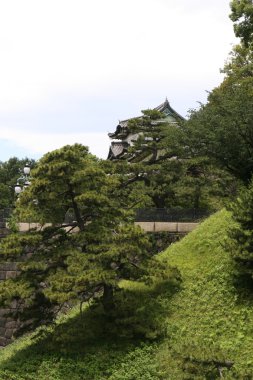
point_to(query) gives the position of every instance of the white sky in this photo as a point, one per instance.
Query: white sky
(70, 69)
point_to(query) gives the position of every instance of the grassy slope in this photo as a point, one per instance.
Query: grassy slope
(209, 320)
(212, 317)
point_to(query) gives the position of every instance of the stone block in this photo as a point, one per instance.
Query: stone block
(186, 227)
(9, 319)
(3, 312)
(23, 227)
(3, 341)
(11, 325)
(146, 226)
(2, 331)
(33, 226)
(2, 275)
(2, 322)
(9, 266)
(8, 333)
(166, 227)
(11, 274)
(14, 304)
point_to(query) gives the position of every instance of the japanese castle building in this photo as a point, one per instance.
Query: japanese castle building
(122, 138)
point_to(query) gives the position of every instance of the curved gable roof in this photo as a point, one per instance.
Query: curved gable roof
(170, 115)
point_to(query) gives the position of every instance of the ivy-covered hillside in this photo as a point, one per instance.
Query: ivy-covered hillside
(205, 326)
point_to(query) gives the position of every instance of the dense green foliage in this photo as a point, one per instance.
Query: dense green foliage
(242, 15)
(165, 173)
(207, 326)
(153, 168)
(222, 129)
(240, 240)
(57, 266)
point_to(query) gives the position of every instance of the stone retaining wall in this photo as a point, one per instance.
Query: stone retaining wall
(8, 326)
(170, 227)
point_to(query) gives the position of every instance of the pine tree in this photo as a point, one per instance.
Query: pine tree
(86, 257)
(163, 169)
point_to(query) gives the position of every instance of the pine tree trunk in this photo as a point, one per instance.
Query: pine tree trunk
(197, 195)
(107, 298)
(76, 209)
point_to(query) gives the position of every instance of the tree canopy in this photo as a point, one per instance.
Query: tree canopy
(222, 129)
(163, 170)
(242, 15)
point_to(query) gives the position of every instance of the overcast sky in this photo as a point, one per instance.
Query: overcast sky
(70, 69)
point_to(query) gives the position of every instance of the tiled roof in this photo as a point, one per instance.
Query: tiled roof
(117, 148)
(168, 110)
(121, 130)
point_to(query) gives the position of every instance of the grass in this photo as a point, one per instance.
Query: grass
(211, 323)
(201, 330)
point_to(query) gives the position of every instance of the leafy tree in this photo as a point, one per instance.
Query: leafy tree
(240, 63)
(242, 15)
(58, 266)
(222, 129)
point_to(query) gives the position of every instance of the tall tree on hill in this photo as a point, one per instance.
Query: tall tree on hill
(59, 266)
(222, 129)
